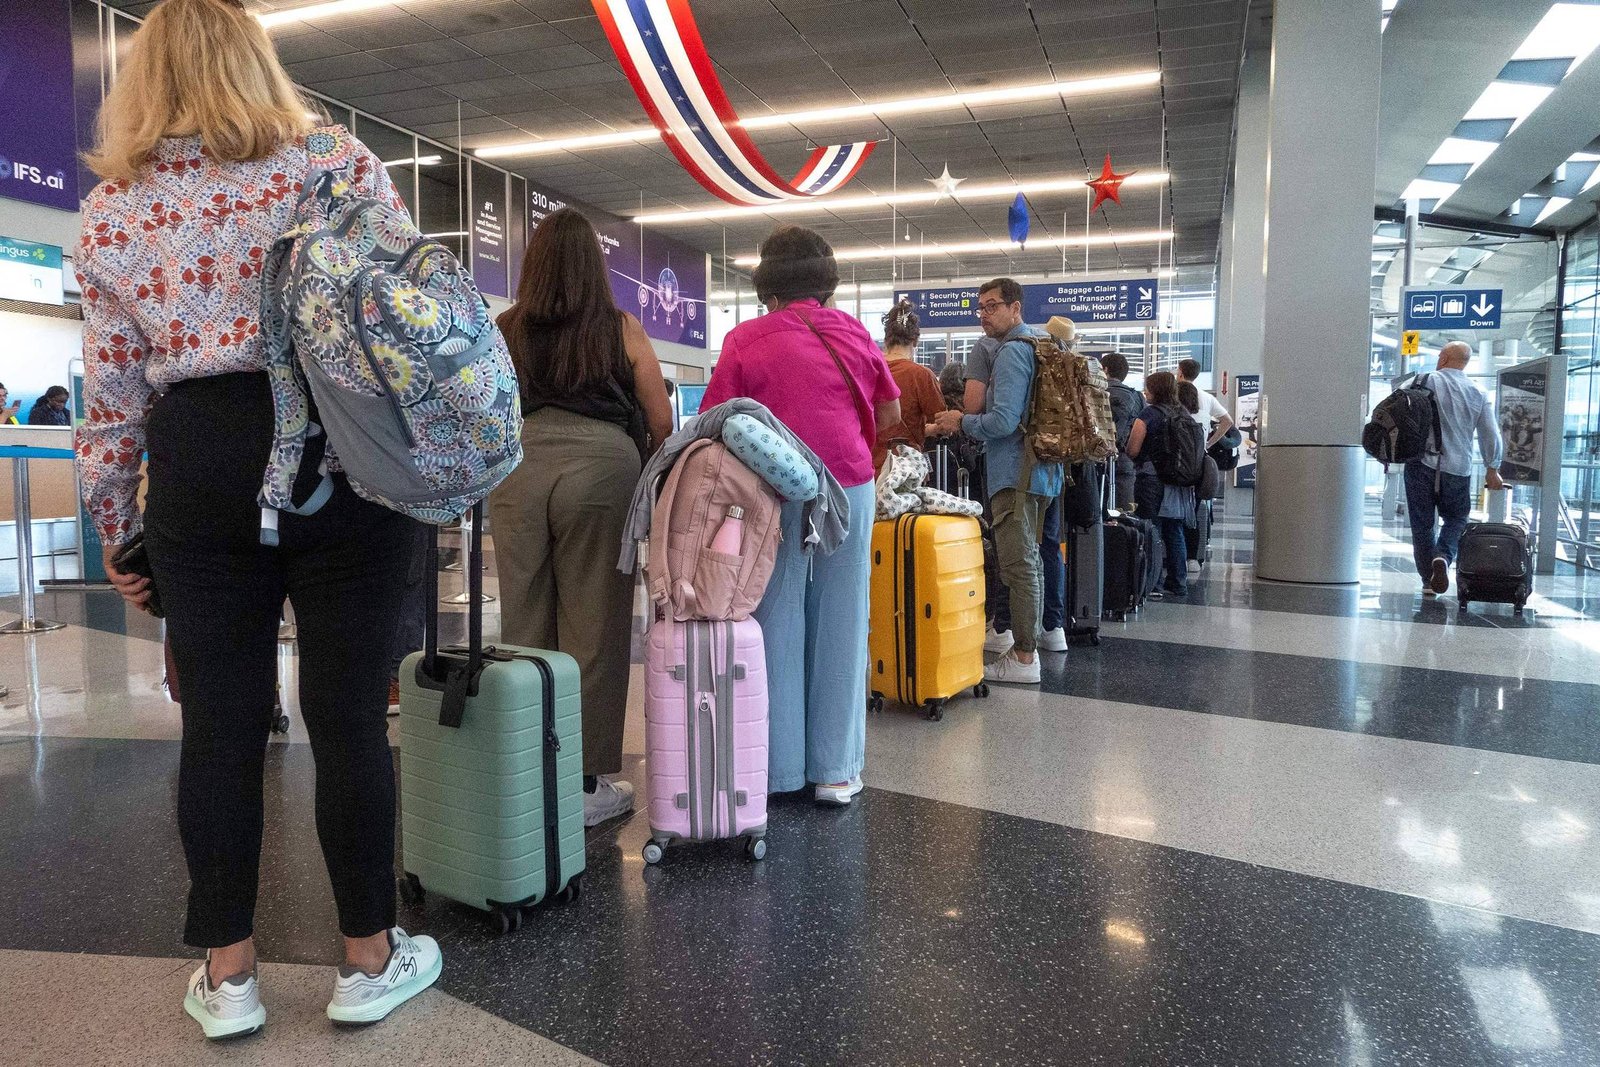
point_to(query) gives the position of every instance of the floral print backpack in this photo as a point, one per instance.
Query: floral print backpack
(378, 337)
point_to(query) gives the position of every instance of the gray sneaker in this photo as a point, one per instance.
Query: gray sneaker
(609, 800)
(232, 1009)
(414, 965)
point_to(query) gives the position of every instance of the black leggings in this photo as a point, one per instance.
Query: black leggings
(345, 571)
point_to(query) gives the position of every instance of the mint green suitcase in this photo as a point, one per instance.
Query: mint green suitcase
(491, 771)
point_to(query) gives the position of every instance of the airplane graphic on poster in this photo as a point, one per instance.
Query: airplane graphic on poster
(663, 299)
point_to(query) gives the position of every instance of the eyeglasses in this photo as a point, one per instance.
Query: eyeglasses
(989, 307)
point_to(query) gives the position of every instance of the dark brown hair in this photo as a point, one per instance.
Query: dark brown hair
(901, 325)
(1189, 369)
(1010, 289)
(1115, 364)
(953, 383)
(796, 264)
(1162, 386)
(565, 331)
(1189, 397)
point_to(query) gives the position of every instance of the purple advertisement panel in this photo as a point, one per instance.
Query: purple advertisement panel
(38, 127)
(659, 280)
(490, 268)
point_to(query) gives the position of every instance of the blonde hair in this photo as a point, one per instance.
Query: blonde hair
(201, 67)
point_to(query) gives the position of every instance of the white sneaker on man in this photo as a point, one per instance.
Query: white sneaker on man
(1009, 669)
(1053, 640)
(839, 796)
(998, 642)
(609, 800)
(414, 965)
(232, 1009)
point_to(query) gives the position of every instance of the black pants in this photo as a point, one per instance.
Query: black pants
(344, 569)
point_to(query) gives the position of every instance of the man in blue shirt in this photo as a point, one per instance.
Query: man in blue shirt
(1440, 487)
(1018, 507)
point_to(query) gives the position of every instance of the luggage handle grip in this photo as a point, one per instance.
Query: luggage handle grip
(458, 682)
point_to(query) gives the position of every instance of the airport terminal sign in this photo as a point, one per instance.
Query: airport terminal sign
(31, 272)
(38, 127)
(1084, 301)
(1451, 309)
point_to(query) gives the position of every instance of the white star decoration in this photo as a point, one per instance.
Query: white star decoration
(944, 185)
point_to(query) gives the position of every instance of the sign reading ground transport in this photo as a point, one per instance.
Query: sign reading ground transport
(1107, 300)
(1451, 309)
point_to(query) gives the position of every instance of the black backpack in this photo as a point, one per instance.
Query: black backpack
(1404, 425)
(1180, 448)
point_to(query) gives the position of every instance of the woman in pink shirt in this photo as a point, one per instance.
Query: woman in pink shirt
(818, 370)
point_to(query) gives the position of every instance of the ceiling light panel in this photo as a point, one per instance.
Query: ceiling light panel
(1456, 150)
(1001, 248)
(1568, 31)
(311, 12)
(1509, 100)
(872, 109)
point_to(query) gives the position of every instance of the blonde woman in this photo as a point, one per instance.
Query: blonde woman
(203, 144)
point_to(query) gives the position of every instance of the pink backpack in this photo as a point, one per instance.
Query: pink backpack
(687, 580)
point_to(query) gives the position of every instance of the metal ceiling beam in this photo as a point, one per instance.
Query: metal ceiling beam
(1438, 57)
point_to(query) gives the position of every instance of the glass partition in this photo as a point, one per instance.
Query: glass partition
(397, 150)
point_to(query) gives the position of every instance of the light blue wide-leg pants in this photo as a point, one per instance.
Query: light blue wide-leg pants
(814, 619)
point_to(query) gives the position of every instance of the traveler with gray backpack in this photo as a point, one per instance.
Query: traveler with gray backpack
(1170, 448)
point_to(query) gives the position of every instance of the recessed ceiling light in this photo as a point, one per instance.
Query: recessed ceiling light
(999, 248)
(1001, 191)
(319, 11)
(418, 161)
(909, 105)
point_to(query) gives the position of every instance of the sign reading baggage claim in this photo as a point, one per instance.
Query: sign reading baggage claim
(1088, 300)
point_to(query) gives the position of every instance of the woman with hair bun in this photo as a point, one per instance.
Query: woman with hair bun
(920, 398)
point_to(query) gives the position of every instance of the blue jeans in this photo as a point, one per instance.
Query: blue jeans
(1172, 533)
(1450, 501)
(814, 621)
(1055, 577)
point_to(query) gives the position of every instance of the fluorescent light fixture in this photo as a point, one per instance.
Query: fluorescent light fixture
(1458, 150)
(1551, 206)
(910, 105)
(320, 11)
(1509, 100)
(998, 248)
(447, 233)
(1426, 189)
(417, 161)
(1567, 31)
(1001, 191)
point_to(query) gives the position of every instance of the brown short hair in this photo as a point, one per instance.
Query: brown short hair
(796, 264)
(1189, 369)
(1010, 289)
(1162, 386)
(1115, 364)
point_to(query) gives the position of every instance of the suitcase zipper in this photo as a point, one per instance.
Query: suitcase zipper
(552, 814)
(908, 684)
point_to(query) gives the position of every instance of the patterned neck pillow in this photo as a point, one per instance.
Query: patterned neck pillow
(770, 457)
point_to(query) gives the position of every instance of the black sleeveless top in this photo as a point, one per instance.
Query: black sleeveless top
(608, 400)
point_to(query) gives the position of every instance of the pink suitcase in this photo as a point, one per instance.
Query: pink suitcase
(705, 710)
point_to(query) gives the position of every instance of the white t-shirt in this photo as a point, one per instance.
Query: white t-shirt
(1211, 410)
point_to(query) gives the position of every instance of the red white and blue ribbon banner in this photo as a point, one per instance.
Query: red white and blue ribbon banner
(662, 54)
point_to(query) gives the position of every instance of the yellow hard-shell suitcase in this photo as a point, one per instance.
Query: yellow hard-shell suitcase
(927, 611)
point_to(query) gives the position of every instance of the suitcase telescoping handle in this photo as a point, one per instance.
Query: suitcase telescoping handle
(459, 680)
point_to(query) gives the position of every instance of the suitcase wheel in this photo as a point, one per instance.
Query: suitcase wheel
(981, 690)
(410, 888)
(875, 702)
(755, 848)
(572, 891)
(505, 918)
(1094, 638)
(653, 852)
(933, 710)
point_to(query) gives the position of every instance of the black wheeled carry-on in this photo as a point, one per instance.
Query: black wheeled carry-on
(1086, 550)
(1126, 544)
(1198, 536)
(491, 766)
(1494, 565)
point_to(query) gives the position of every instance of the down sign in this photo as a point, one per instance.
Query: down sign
(1451, 309)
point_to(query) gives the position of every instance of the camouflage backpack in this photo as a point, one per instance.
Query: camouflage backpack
(1069, 418)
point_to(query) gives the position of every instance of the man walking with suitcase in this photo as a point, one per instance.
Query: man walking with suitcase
(1439, 485)
(1018, 508)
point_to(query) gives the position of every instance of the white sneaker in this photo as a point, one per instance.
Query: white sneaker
(1053, 640)
(232, 1009)
(359, 997)
(1008, 668)
(609, 800)
(839, 795)
(998, 642)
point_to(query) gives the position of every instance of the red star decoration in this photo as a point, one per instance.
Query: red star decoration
(1109, 185)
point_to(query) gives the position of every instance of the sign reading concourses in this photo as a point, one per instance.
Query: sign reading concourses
(38, 129)
(1084, 301)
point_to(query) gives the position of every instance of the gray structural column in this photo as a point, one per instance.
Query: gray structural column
(1243, 246)
(1322, 163)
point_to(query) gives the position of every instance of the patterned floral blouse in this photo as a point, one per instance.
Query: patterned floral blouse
(170, 268)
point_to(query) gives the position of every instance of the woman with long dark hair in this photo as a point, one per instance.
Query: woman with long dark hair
(594, 404)
(201, 113)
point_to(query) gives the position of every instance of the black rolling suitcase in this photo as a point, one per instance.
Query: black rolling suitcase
(1083, 522)
(1132, 564)
(1494, 565)
(1198, 536)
